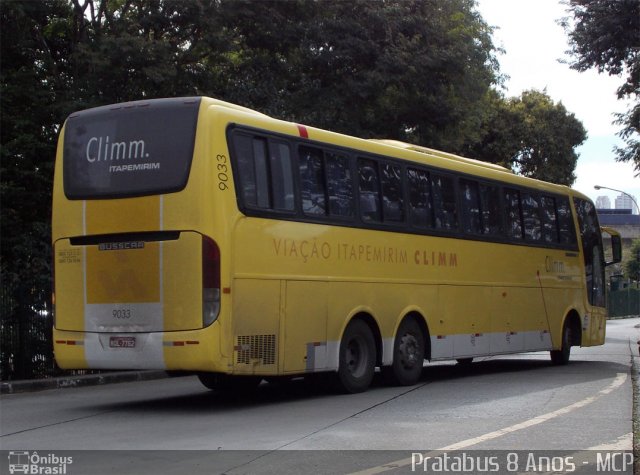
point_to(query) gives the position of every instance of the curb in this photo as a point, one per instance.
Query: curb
(63, 382)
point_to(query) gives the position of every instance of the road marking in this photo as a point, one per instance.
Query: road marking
(624, 442)
(619, 380)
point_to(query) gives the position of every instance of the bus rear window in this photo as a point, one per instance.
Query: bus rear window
(130, 149)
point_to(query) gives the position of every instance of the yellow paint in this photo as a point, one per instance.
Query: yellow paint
(298, 282)
(123, 276)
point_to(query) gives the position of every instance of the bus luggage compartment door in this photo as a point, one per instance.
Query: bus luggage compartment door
(144, 282)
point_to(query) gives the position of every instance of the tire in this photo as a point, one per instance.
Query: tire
(226, 383)
(561, 356)
(357, 358)
(408, 355)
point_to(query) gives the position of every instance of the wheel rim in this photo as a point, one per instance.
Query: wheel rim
(356, 357)
(408, 351)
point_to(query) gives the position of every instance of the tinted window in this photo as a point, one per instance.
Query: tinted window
(281, 176)
(512, 215)
(549, 219)
(261, 164)
(592, 251)
(566, 227)
(243, 147)
(470, 211)
(339, 184)
(369, 187)
(491, 210)
(312, 179)
(393, 209)
(265, 173)
(531, 217)
(419, 198)
(444, 202)
(136, 148)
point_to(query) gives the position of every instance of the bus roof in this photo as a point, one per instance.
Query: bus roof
(431, 156)
(439, 153)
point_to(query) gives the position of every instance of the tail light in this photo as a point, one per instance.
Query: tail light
(210, 281)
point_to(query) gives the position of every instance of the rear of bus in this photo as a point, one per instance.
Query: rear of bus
(136, 239)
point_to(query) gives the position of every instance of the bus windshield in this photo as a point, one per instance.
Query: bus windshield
(133, 149)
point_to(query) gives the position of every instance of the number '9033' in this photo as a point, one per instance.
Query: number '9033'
(122, 313)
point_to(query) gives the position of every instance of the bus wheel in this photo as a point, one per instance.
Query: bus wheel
(408, 355)
(226, 383)
(561, 356)
(357, 358)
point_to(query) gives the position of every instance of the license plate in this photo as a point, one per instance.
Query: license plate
(122, 342)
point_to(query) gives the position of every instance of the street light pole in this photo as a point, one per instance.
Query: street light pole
(598, 187)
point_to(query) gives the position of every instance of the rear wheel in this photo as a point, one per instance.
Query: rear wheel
(357, 358)
(408, 354)
(561, 356)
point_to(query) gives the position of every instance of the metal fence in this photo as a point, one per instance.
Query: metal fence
(625, 302)
(26, 345)
(26, 348)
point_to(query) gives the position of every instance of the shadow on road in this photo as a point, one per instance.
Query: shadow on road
(199, 400)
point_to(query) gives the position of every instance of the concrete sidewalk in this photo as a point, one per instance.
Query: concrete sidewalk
(11, 387)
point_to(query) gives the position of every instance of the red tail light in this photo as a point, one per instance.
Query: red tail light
(210, 281)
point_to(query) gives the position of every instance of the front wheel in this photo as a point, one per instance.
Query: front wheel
(561, 356)
(357, 358)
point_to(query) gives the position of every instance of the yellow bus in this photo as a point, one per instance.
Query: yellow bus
(191, 234)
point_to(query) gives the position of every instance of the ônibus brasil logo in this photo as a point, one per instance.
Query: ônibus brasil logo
(34, 463)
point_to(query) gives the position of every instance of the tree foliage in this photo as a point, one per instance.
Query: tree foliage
(605, 35)
(632, 266)
(410, 70)
(531, 135)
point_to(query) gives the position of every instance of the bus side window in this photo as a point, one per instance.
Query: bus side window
(261, 164)
(281, 176)
(491, 210)
(339, 184)
(369, 188)
(470, 212)
(549, 219)
(312, 179)
(592, 251)
(246, 169)
(420, 209)
(392, 203)
(531, 217)
(254, 170)
(512, 205)
(566, 227)
(444, 202)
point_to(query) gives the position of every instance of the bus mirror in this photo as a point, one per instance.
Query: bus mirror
(616, 245)
(616, 248)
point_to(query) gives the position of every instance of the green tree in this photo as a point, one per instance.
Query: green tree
(632, 266)
(605, 34)
(30, 107)
(409, 70)
(531, 135)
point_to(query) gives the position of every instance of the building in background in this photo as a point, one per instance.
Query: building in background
(624, 202)
(603, 202)
(623, 221)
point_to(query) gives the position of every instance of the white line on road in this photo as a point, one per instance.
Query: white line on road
(616, 383)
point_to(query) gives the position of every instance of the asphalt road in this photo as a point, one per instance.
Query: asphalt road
(512, 408)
